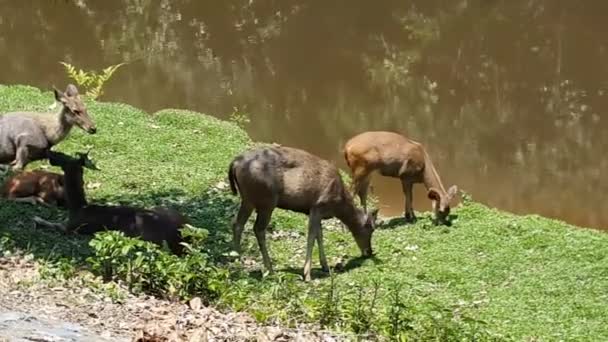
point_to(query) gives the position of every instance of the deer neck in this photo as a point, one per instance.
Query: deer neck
(431, 177)
(74, 191)
(59, 128)
(350, 215)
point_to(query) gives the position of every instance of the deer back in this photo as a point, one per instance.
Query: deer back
(285, 177)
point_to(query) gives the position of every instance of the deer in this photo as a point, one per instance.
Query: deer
(35, 187)
(155, 225)
(292, 179)
(26, 136)
(394, 155)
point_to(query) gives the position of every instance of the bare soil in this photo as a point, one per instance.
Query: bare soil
(75, 310)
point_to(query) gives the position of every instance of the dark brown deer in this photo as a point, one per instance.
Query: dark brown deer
(394, 155)
(155, 225)
(25, 136)
(35, 187)
(292, 179)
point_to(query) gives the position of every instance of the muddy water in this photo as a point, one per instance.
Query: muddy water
(509, 96)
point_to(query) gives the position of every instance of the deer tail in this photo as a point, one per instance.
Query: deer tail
(232, 178)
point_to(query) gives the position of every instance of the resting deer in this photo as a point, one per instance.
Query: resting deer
(35, 187)
(394, 155)
(295, 180)
(155, 225)
(25, 136)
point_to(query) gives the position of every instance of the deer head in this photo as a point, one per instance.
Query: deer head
(74, 109)
(363, 233)
(441, 203)
(65, 161)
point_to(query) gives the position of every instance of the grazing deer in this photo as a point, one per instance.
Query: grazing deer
(25, 136)
(292, 179)
(35, 187)
(155, 225)
(394, 155)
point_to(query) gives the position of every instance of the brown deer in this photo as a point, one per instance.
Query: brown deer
(292, 179)
(155, 225)
(35, 187)
(25, 136)
(394, 155)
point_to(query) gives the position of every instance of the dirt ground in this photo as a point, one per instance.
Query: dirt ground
(35, 310)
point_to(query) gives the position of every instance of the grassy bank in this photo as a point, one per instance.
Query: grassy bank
(490, 276)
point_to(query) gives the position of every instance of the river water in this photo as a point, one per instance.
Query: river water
(508, 96)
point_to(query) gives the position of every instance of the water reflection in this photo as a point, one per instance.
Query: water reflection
(508, 96)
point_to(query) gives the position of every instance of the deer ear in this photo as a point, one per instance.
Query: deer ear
(452, 191)
(59, 96)
(52, 158)
(433, 194)
(374, 214)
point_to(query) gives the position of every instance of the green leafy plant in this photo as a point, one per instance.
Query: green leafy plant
(330, 307)
(239, 117)
(399, 323)
(92, 81)
(145, 266)
(61, 269)
(360, 309)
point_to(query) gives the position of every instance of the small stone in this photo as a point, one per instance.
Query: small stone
(198, 335)
(221, 185)
(93, 185)
(138, 336)
(196, 303)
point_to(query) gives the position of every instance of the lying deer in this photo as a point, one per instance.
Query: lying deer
(25, 136)
(394, 155)
(292, 179)
(155, 225)
(35, 187)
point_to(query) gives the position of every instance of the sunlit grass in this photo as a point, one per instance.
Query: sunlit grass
(489, 274)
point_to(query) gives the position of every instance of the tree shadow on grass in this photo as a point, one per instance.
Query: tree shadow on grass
(357, 262)
(315, 272)
(212, 211)
(18, 232)
(318, 273)
(427, 221)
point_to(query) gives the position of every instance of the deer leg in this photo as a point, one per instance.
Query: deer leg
(322, 257)
(29, 199)
(261, 222)
(362, 186)
(47, 224)
(408, 192)
(21, 158)
(314, 225)
(46, 199)
(239, 224)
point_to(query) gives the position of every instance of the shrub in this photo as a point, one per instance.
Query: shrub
(145, 266)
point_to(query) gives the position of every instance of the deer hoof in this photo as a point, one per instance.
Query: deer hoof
(410, 218)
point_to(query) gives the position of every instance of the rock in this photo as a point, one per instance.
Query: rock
(199, 335)
(196, 304)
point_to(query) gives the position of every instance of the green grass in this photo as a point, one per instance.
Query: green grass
(491, 275)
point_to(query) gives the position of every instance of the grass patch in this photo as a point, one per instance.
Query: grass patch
(490, 276)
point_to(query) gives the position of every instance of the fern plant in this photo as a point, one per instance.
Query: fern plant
(92, 81)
